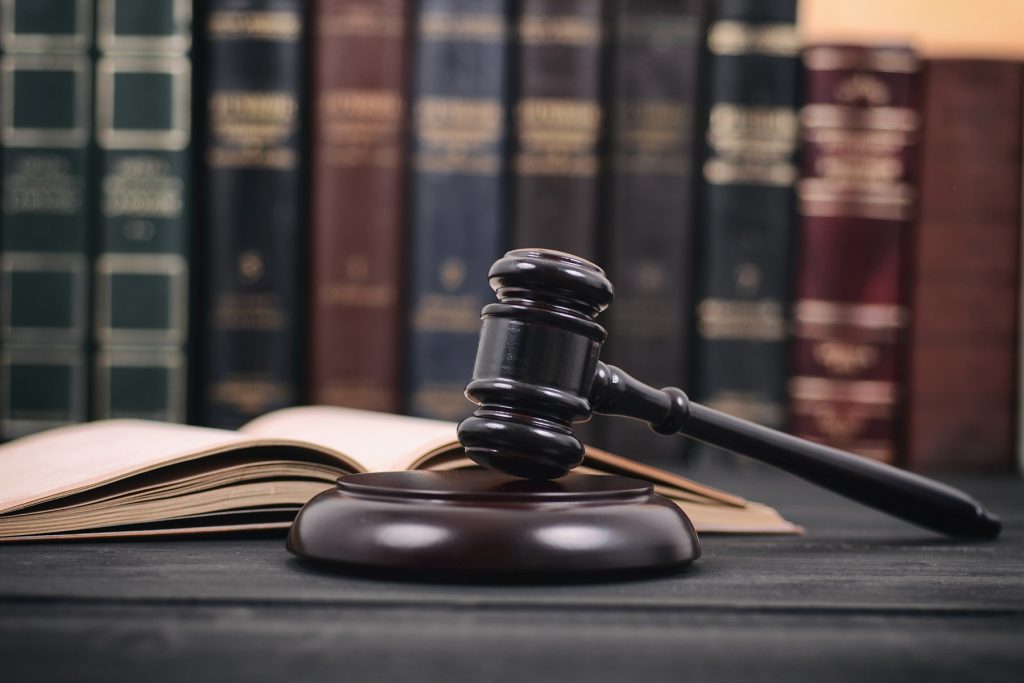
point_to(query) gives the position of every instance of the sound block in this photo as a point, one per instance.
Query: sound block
(482, 524)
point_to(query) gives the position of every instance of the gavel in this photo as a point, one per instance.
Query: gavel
(538, 371)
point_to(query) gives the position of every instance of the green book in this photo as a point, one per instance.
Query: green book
(45, 131)
(143, 218)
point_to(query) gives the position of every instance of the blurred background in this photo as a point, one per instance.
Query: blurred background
(811, 210)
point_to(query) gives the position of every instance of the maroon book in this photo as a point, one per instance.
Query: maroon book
(964, 285)
(856, 202)
(359, 128)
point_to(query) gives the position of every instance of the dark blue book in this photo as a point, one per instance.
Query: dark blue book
(255, 205)
(457, 212)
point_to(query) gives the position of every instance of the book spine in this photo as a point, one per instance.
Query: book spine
(654, 83)
(746, 209)
(459, 161)
(358, 228)
(255, 56)
(860, 126)
(965, 267)
(143, 136)
(44, 246)
(559, 124)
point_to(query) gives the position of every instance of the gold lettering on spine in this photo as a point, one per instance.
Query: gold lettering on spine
(654, 136)
(253, 129)
(361, 127)
(145, 186)
(557, 136)
(43, 183)
(560, 30)
(751, 145)
(254, 311)
(366, 20)
(464, 26)
(732, 38)
(458, 135)
(252, 395)
(760, 320)
(255, 25)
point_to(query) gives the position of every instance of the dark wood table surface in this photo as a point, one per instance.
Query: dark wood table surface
(860, 597)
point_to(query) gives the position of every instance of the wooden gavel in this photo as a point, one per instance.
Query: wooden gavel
(538, 370)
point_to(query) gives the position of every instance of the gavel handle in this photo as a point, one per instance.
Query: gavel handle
(902, 494)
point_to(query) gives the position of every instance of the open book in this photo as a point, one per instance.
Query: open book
(136, 478)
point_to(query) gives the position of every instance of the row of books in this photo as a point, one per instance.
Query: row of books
(818, 238)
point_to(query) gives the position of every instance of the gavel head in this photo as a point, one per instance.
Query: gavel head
(535, 364)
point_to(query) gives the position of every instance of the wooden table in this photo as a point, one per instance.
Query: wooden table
(860, 597)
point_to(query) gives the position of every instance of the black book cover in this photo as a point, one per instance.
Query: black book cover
(746, 209)
(254, 195)
(654, 84)
(559, 124)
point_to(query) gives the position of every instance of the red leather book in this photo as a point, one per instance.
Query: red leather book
(359, 128)
(964, 285)
(856, 202)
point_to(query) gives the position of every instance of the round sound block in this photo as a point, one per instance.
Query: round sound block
(485, 524)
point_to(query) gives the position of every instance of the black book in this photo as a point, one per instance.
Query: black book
(654, 83)
(746, 209)
(254, 207)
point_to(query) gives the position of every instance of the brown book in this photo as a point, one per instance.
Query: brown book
(559, 124)
(961, 407)
(856, 202)
(130, 478)
(359, 130)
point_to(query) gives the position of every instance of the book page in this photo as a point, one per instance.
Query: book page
(380, 442)
(74, 458)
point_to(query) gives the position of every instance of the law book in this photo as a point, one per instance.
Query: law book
(746, 211)
(457, 216)
(143, 211)
(559, 124)
(254, 214)
(652, 133)
(46, 117)
(965, 267)
(136, 478)
(857, 200)
(359, 97)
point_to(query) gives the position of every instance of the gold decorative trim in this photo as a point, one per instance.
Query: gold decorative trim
(834, 58)
(817, 311)
(480, 27)
(10, 39)
(173, 266)
(175, 138)
(560, 30)
(72, 137)
(34, 262)
(109, 40)
(172, 360)
(733, 38)
(280, 26)
(873, 118)
(70, 356)
(851, 391)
